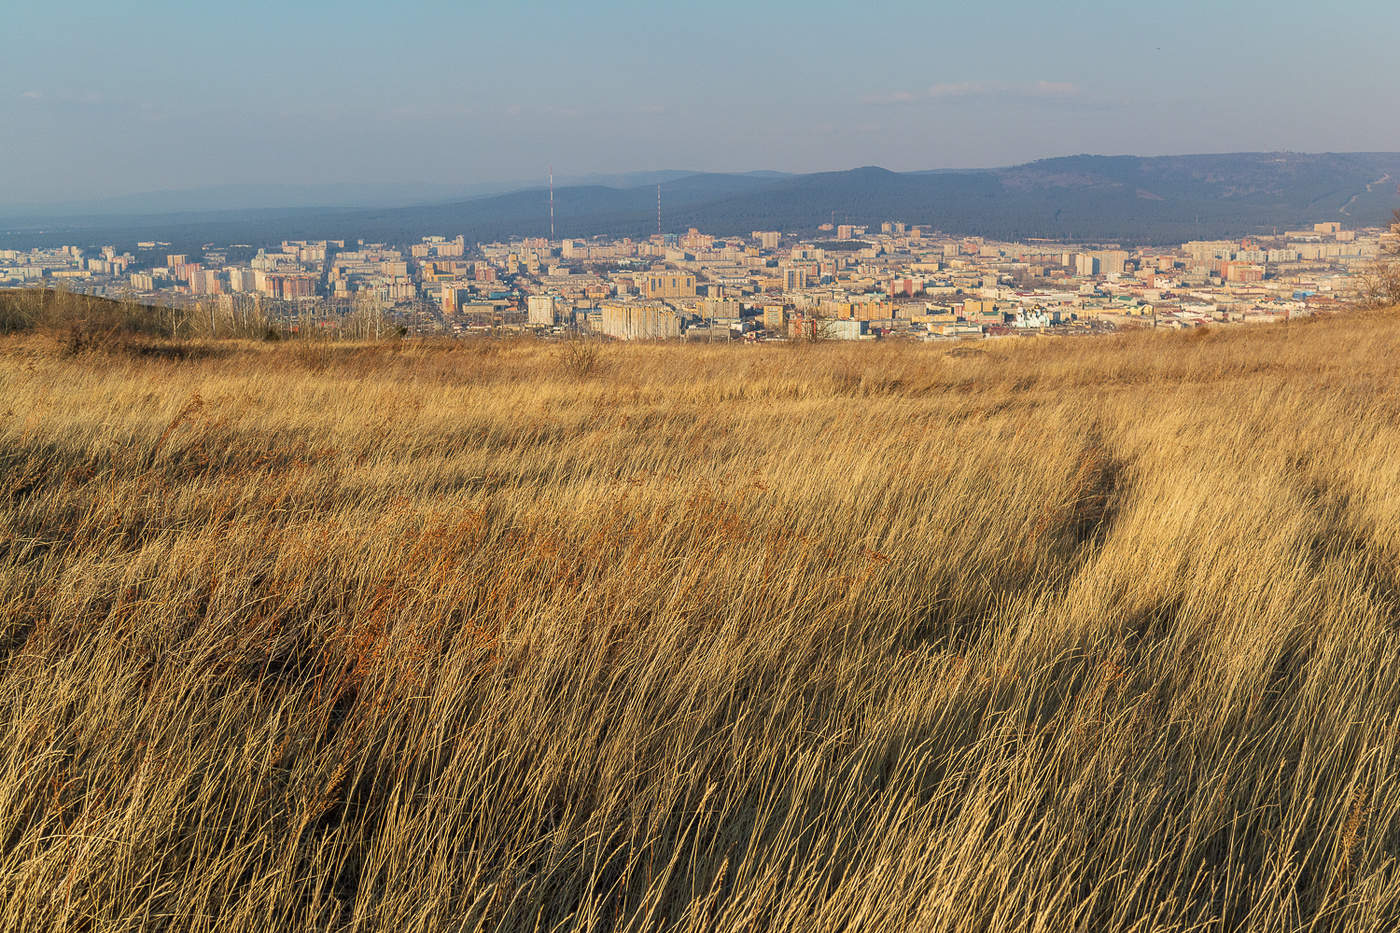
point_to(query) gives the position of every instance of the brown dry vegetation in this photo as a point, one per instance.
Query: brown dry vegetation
(1064, 635)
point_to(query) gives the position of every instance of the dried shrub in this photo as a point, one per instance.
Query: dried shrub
(580, 357)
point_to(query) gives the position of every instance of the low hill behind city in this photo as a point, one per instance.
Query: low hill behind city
(1123, 199)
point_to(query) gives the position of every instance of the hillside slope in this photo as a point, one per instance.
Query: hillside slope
(1052, 635)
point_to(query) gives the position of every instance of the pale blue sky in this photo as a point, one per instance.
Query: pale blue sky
(98, 98)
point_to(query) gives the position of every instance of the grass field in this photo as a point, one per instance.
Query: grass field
(1041, 635)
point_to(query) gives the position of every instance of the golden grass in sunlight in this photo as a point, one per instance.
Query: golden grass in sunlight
(431, 636)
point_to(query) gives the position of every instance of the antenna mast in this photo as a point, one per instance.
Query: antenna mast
(551, 204)
(658, 210)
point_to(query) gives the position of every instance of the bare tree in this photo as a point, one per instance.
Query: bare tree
(1381, 284)
(817, 327)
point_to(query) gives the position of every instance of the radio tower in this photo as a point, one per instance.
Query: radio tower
(551, 204)
(658, 210)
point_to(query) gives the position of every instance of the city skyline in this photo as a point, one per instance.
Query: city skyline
(104, 104)
(842, 281)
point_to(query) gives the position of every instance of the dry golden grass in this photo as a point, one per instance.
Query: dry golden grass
(1098, 635)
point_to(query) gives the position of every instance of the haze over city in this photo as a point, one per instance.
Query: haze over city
(101, 102)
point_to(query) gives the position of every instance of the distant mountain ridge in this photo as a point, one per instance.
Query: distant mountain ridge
(1127, 199)
(289, 196)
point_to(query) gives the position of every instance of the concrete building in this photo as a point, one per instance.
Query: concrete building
(845, 330)
(1111, 262)
(767, 239)
(545, 310)
(1242, 272)
(649, 320)
(667, 284)
(241, 279)
(451, 298)
(289, 286)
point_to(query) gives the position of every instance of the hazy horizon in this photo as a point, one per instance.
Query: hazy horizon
(384, 193)
(99, 103)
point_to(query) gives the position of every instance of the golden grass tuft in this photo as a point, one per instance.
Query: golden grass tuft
(1064, 634)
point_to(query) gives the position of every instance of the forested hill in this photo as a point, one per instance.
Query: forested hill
(1128, 199)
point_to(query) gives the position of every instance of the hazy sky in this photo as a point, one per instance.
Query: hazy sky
(103, 98)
